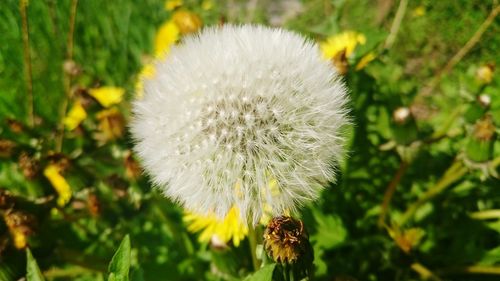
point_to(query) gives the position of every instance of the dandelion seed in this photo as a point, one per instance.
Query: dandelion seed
(284, 127)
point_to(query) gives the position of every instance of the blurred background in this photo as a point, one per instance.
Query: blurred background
(417, 199)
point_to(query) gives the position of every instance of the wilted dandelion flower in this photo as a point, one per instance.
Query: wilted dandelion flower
(234, 108)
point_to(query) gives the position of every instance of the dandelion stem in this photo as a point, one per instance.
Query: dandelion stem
(389, 192)
(454, 173)
(252, 239)
(427, 90)
(66, 76)
(28, 76)
(396, 24)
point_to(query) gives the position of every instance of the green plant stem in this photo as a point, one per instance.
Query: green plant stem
(473, 269)
(252, 239)
(389, 192)
(454, 173)
(67, 77)
(424, 272)
(28, 75)
(486, 215)
(398, 18)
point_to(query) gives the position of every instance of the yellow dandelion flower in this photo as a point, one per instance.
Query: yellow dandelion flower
(186, 21)
(170, 5)
(148, 71)
(53, 173)
(207, 5)
(365, 60)
(418, 11)
(107, 96)
(343, 42)
(231, 228)
(166, 36)
(75, 116)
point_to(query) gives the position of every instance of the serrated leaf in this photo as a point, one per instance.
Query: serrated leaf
(263, 274)
(120, 263)
(33, 272)
(331, 230)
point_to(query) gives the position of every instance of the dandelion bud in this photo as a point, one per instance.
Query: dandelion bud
(484, 100)
(6, 148)
(28, 165)
(404, 126)
(481, 141)
(286, 240)
(484, 74)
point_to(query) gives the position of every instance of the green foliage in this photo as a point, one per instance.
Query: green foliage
(417, 197)
(32, 271)
(263, 274)
(120, 263)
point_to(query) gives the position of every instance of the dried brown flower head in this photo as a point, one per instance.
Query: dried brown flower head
(286, 240)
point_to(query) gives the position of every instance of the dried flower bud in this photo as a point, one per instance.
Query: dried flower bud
(20, 225)
(132, 168)
(15, 126)
(94, 205)
(6, 148)
(340, 62)
(6, 199)
(111, 125)
(286, 240)
(29, 165)
(71, 68)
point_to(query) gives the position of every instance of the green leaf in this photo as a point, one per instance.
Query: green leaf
(120, 263)
(263, 274)
(33, 273)
(331, 230)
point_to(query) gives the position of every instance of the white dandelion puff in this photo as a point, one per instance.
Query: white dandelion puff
(236, 108)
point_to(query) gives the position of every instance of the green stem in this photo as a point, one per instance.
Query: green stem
(252, 239)
(28, 76)
(454, 173)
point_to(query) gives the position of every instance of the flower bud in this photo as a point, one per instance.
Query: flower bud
(286, 240)
(481, 141)
(404, 127)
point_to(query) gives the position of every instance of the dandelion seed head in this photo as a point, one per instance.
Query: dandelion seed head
(234, 108)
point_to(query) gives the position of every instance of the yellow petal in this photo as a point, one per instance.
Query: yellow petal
(75, 116)
(167, 35)
(345, 41)
(186, 21)
(52, 173)
(107, 96)
(365, 60)
(147, 72)
(172, 4)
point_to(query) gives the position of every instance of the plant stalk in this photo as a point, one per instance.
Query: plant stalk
(28, 74)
